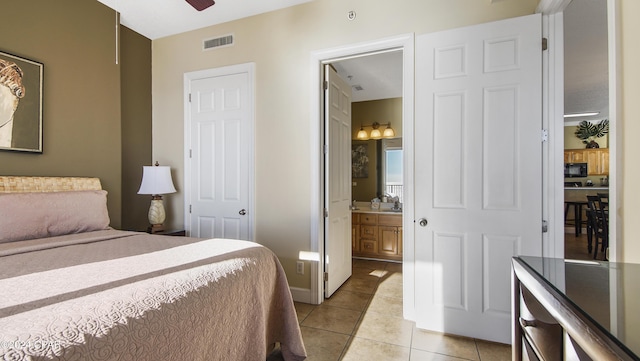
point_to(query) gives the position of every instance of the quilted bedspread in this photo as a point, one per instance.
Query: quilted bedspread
(115, 295)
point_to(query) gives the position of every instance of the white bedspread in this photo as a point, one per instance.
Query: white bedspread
(113, 295)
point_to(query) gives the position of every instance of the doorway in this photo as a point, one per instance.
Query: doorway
(403, 44)
(586, 108)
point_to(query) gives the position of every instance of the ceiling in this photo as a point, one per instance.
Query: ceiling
(379, 76)
(159, 18)
(586, 65)
(586, 69)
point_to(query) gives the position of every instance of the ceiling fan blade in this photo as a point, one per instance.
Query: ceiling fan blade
(201, 4)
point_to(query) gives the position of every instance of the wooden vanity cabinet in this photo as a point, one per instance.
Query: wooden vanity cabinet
(380, 236)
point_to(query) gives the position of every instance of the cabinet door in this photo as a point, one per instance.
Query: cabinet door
(388, 240)
(593, 165)
(355, 238)
(604, 161)
(578, 156)
(568, 156)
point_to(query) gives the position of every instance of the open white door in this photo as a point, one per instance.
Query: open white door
(220, 161)
(337, 181)
(478, 174)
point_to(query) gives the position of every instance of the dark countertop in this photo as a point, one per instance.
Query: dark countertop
(608, 293)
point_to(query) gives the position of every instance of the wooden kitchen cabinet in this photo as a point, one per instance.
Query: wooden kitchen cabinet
(380, 236)
(575, 156)
(597, 159)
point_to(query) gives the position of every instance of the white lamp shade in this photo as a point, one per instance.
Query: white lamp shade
(156, 180)
(376, 134)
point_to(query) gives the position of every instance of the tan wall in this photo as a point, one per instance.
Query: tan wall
(86, 131)
(135, 65)
(75, 41)
(280, 43)
(630, 167)
(573, 142)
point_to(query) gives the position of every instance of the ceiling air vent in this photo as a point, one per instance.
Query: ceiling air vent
(219, 42)
(357, 87)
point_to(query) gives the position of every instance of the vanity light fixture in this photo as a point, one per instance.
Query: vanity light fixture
(375, 132)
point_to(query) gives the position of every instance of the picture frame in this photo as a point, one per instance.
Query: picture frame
(21, 97)
(359, 160)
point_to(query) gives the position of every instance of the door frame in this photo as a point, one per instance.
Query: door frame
(249, 69)
(553, 108)
(405, 43)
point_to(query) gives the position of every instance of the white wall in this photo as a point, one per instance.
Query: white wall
(280, 43)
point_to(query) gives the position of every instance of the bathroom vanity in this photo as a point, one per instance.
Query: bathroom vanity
(376, 234)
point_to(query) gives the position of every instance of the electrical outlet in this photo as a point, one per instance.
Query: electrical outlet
(300, 267)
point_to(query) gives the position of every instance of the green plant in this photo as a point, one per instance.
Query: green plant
(588, 131)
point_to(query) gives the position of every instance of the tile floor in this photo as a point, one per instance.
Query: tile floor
(363, 321)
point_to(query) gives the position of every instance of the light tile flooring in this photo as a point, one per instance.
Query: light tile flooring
(363, 321)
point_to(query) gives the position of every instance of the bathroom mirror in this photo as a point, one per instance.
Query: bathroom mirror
(376, 169)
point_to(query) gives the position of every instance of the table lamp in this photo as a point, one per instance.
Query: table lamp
(156, 181)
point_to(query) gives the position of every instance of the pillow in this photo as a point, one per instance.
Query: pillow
(39, 215)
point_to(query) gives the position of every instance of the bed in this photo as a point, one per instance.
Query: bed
(72, 288)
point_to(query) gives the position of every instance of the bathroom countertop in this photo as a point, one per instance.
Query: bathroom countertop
(369, 210)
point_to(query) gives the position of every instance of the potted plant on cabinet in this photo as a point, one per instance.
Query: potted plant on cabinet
(588, 132)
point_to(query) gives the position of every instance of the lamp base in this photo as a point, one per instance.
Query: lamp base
(155, 228)
(156, 215)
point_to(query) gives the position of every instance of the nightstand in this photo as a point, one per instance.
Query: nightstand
(172, 232)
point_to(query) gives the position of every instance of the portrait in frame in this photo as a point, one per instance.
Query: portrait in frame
(21, 82)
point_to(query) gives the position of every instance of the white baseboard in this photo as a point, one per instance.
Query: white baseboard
(301, 294)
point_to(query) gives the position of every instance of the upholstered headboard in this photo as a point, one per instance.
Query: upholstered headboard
(23, 184)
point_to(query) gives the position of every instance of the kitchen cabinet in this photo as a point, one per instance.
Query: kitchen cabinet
(377, 235)
(597, 159)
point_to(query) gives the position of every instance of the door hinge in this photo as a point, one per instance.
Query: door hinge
(325, 85)
(545, 44)
(325, 212)
(190, 208)
(190, 153)
(545, 135)
(189, 97)
(545, 226)
(325, 149)
(326, 276)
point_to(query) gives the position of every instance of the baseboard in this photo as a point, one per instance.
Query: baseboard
(301, 294)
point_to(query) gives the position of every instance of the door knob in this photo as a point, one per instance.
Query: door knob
(422, 222)
(242, 212)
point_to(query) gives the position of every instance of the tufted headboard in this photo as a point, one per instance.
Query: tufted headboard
(24, 184)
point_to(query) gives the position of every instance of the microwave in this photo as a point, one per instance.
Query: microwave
(575, 170)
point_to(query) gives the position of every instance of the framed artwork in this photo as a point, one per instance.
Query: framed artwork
(21, 83)
(359, 161)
